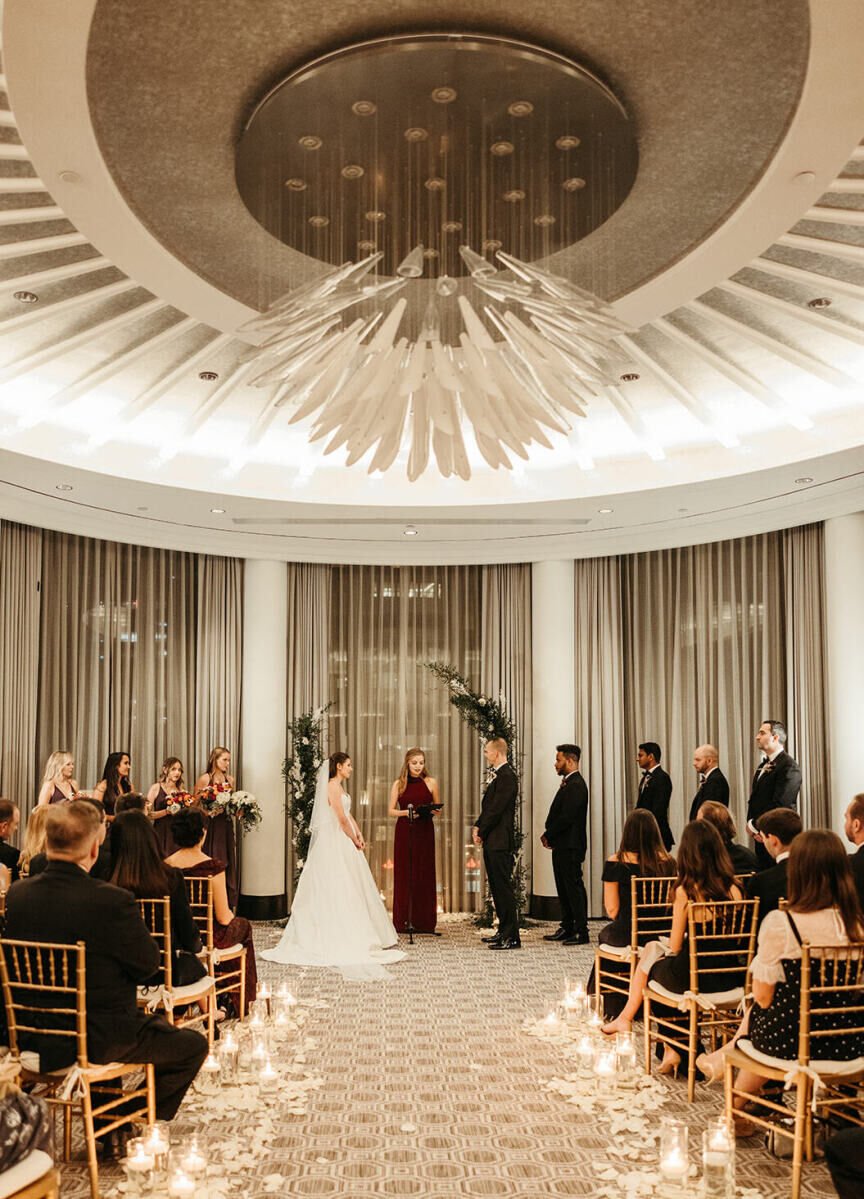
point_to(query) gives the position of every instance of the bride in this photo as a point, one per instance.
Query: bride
(337, 918)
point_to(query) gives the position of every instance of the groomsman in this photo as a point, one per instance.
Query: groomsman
(776, 782)
(712, 782)
(655, 789)
(853, 827)
(495, 830)
(566, 834)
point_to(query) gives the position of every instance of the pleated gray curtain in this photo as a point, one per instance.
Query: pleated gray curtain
(117, 655)
(505, 664)
(20, 605)
(218, 659)
(385, 622)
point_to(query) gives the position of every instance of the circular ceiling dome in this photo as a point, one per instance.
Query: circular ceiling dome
(436, 141)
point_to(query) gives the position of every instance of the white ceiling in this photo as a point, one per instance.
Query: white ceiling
(743, 387)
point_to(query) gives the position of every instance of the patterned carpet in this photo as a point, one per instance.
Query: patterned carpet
(438, 1049)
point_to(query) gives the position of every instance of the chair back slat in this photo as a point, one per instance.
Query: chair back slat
(44, 994)
(651, 907)
(156, 914)
(722, 940)
(832, 999)
(199, 892)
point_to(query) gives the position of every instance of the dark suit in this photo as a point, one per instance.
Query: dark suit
(714, 788)
(856, 860)
(496, 828)
(775, 785)
(567, 835)
(769, 887)
(655, 791)
(65, 904)
(9, 856)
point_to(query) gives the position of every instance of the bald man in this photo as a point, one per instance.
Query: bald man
(712, 782)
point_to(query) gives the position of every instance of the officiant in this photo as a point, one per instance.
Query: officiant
(566, 834)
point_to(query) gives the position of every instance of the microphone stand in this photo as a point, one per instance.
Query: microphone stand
(410, 929)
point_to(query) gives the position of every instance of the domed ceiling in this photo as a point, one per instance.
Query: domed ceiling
(143, 225)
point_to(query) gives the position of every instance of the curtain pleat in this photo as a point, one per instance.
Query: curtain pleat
(20, 606)
(218, 659)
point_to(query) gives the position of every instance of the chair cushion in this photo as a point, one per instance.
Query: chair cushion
(226, 954)
(839, 1068)
(615, 951)
(25, 1173)
(706, 998)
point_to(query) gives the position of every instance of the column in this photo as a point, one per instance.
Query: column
(553, 669)
(844, 638)
(263, 720)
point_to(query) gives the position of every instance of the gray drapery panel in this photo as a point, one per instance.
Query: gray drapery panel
(20, 604)
(218, 659)
(505, 665)
(117, 655)
(385, 622)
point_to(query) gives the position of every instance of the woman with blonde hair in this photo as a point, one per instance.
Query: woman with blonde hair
(34, 838)
(413, 803)
(221, 842)
(58, 785)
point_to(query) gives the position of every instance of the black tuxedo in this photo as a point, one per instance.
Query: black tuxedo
(714, 788)
(496, 828)
(775, 785)
(856, 861)
(655, 791)
(769, 887)
(567, 835)
(65, 904)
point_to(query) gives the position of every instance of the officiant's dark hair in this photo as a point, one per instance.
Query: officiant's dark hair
(652, 748)
(778, 728)
(569, 751)
(336, 761)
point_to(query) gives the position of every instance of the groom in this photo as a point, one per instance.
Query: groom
(495, 831)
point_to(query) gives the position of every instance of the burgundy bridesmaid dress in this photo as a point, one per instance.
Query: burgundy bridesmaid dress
(424, 908)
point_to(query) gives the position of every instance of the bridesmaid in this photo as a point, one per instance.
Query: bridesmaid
(414, 786)
(159, 797)
(220, 842)
(114, 781)
(58, 785)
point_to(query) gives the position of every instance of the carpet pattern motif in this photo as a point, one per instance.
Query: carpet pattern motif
(431, 1088)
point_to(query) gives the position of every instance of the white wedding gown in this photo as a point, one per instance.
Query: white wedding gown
(337, 918)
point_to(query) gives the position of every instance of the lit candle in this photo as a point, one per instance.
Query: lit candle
(180, 1186)
(552, 1022)
(209, 1076)
(193, 1162)
(605, 1069)
(268, 1079)
(625, 1049)
(282, 1024)
(585, 1054)
(674, 1165)
(256, 1024)
(157, 1141)
(718, 1161)
(229, 1057)
(264, 995)
(674, 1160)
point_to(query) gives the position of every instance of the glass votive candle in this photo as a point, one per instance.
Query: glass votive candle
(285, 1001)
(260, 1047)
(259, 1013)
(606, 1069)
(180, 1185)
(192, 1161)
(282, 1024)
(263, 996)
(585, 1050)
(268, 1079)
(674, 1158)
(625, 1050)
(209, 1076)
(595, 1019)
(157, 1142)
(138, 1166)
(229, 1057)
(552, 1021)
(718, 1160)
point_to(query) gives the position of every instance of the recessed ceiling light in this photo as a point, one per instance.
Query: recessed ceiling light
(319, 222)
(574, 184)
(545, 220)
(430, 253)
(218, 511)
(451, 226)
(605, 511)
(69, 176)
(409, 531)
(25, 297)
(629, 377)
(514, 196)
(435, 184)
(444, 95)
(804, 479)
(521, 108)
(63, 487)
(207, 376)
(142, 508)
(567, 142)
(364, 108)
(310, 142)
(353, 171)
(492, 244)
(499, 149)
(819, 302)
(415, 134)
(296, 185)
(375, 216)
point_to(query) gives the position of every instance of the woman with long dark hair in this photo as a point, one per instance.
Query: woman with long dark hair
(705, 874)
(414, 887)
(137, 867)
(114, 781)
(337, 918)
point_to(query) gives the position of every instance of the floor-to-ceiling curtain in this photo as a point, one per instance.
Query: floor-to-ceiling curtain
(385, 623)
(20, 604)
(218, 659)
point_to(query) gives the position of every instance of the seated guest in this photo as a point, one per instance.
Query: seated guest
(822, 910)
(704, 874)
(64, 904)
(101, 868)
(138, 868)
(9, 854)
(853, 827)
(844, 1157)
(189, 829)
(641, 854)
(132, 801)
(777, 829)
(743, 860)
(34, 840)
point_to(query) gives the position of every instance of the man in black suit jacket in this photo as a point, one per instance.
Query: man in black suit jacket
(713, 787)
(778, 829)
(495, 830)
(9, 854)
(776, 783)
(853, 827)
(655, 789)
(65, 904)
(566, 834)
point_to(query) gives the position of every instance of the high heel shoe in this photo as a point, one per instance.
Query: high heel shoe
(671, 1064)
(712, 1065)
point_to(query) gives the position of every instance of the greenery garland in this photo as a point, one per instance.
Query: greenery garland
(300, 772)
(489, 718)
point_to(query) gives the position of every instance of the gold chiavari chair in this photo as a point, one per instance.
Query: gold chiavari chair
(44, 991)
(831, 1006)
(199, 892)
(722, 940)
(156, 914)
(651, 918)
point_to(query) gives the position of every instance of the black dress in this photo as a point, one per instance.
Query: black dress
(619, 930)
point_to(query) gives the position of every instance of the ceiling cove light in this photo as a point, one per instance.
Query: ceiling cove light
(410, 531)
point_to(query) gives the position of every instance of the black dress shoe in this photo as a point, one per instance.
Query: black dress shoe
(558, 935)
(513, 943)
(577, 939)
(113, 1144)
(493, 940)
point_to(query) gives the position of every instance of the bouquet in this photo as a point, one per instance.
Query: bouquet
(243, 807)
(180, 799)
(214, 798)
